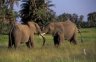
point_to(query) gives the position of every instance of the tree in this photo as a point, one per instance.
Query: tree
(37, 11)
(64, 17)
(6, 11)
(7, 14)
(92, 19)
(74, 18)
(80, 21)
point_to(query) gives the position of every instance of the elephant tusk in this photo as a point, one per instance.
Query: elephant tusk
(43, 34)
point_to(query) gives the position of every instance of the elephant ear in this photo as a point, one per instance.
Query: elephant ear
(34, 27)
(31, 26)
(38, 30)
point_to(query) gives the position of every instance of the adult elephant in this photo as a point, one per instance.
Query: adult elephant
(23, 33)
(62, 30)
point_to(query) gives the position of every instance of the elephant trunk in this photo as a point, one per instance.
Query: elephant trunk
(42, 35)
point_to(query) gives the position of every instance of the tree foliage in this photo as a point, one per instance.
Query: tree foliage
(79, 20)
(36, 10)
(7, 14)
(72, 17)
(92, 19)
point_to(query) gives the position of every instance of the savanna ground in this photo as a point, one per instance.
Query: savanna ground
(83, 52)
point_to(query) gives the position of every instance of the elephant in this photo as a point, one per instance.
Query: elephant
(62, 31)
(23, 33)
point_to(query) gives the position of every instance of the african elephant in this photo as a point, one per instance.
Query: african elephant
(62, 30)
(23, 33)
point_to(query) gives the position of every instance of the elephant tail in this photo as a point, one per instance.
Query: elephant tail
(80, 35)
(10, 36)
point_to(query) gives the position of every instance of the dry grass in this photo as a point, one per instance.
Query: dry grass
(83, 52)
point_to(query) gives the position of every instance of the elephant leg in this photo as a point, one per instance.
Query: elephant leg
(18, 37)
(31, 40)
(73, 39)
(17, 41)
(11, 41)
(29, 44)
(16, 44)
(56, 42)
(61, 36)
(56, 39)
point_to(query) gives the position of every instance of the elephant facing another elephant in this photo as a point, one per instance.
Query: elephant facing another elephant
(23, 33)
(62, 30)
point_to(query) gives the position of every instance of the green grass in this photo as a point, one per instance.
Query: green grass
(65, 53)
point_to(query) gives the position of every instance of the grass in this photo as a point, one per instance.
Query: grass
(83, 52)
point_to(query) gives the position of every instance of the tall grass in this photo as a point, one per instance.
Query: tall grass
(83, 52)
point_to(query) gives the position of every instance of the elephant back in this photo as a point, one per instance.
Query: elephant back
(69, 29)
(22, 27)
(21, 32)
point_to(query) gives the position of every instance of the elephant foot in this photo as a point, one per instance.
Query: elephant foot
(29, 44)
(57, 45)
(9, 47)
(73, 42)
(32, 45)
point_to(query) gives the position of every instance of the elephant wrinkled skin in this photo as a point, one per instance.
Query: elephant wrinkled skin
(62, 30)
(23, 33)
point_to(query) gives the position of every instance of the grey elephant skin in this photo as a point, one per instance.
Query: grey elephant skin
(62, 30)
(23, 33)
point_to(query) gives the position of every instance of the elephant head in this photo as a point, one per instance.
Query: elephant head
(36, 30)
(34, 27)
(21, 33)
(56, 30)
(52, 27)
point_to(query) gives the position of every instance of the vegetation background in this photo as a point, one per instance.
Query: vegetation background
(39, 11)
(83, 52)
